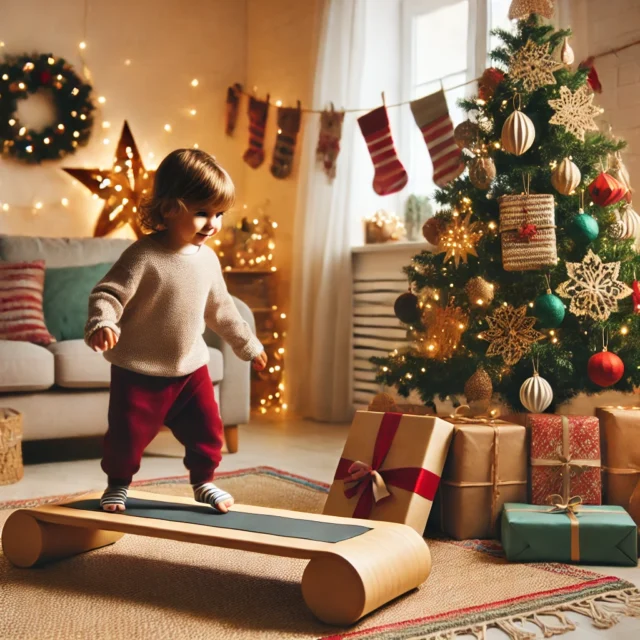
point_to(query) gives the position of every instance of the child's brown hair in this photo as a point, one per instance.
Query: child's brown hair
(186, 178)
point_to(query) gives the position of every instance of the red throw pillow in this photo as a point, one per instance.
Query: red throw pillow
(21, 315)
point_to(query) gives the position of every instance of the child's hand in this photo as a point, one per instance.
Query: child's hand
(103, 339)
(260, 362)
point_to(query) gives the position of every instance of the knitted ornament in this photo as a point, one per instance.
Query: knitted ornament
(518, 133)
(605, 190)
(482, 172)
(480, 291)
(465, 134)
(478, 386)
(605, 368)
(432, 229)
(566, 177)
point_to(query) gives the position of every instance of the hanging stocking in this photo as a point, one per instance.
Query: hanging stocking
(329, 140)
(288, 127)
(233, 100)
(258, 111)
(390, 175)
(432, 116)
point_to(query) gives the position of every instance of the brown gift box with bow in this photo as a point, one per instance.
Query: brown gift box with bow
(565, 458)
(390, 468)
(486, 467)
(620, 442)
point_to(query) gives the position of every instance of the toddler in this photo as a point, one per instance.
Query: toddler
(148, 315)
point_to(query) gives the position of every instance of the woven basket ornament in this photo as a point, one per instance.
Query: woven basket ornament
(528, 232)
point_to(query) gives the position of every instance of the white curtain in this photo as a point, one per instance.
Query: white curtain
(319, 335)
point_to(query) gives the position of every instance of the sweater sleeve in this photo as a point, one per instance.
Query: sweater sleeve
(223, 318)
(110, 296)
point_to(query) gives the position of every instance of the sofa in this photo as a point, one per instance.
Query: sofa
(62, 389)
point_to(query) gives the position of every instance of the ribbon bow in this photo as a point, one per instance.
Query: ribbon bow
(462, 415)
(360, 473)
(561, 506)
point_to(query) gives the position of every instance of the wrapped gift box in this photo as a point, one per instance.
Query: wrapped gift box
(486, 467)
(565, 457)
(590, 535)
(620, 443)
(390, 468)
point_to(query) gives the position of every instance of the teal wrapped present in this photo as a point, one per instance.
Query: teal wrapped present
(570, 532)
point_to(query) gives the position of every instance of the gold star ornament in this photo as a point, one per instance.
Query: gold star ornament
(593, 287)
(522, 9)
(534, 66)
(575, 111)
(511, 333)
(459, 239)
(122, 187)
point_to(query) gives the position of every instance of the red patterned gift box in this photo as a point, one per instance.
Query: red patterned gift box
(565, 457)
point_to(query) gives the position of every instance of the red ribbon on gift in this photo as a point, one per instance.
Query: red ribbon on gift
(414, 479)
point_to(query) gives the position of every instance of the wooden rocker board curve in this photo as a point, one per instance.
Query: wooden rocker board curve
(370, 564)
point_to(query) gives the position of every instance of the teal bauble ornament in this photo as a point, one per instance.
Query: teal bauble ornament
(549, 310)
(583, 229)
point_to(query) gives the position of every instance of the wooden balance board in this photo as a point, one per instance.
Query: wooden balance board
(355, 565)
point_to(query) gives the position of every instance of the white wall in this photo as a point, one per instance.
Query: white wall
(169, 43)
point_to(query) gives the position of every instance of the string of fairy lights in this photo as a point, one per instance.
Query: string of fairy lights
(273, 397)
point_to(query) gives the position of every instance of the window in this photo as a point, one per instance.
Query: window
(445, 44)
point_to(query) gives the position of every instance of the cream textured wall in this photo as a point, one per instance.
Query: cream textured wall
(169, 43)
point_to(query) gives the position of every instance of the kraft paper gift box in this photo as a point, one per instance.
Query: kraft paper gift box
(620, 442)
(486, 467)
(571, 532)
(565, 457)
(390, 468)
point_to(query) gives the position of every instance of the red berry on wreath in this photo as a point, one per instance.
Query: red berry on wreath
(45, 77)
(605, 368)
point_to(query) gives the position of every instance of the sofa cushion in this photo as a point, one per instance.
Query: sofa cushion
(77, 366)
(66, 298)
(25, 367)
(21, 316)
(62, 252)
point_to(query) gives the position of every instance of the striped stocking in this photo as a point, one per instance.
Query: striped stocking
(390, 175)
(258, 111)
(432, 116)
(288, 127)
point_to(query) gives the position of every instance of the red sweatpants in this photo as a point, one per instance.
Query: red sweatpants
(138, 407)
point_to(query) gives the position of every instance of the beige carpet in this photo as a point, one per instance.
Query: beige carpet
(144, 588)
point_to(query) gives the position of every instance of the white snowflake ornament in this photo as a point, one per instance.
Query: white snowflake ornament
(534, 66)
(575, 111)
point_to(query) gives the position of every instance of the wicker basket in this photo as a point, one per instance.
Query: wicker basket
(528, 231)
(11, 469)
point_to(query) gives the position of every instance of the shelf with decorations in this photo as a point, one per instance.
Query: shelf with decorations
(246, 252)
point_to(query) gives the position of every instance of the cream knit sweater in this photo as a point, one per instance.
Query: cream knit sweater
(157, 301)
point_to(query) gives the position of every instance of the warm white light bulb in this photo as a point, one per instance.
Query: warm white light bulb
(83, 45)
(194, 82)
(65, 202)
(167, 128)
(102, 99)
(106, 124)
(193, 112)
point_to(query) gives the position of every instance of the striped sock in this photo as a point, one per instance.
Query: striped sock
(114, 495)
(208, 493)
(288, 127)
(390, 176)
(258, 111)
(432, 116)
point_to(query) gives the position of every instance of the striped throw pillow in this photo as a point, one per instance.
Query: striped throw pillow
(21, 315)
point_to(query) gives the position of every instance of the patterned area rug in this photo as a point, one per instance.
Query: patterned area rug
(150, 588)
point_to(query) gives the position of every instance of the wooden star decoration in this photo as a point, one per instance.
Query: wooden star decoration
(522, 9)
(122, 187)
(593, 287)
(511, 333)
(575, 111)
(534, 66)
(459, 239)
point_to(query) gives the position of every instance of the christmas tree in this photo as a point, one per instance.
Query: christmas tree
(535, 260)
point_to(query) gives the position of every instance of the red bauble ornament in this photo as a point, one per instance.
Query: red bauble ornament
(490, 79)
(605, 368)
(605, 190)
(45, 77)
(635, 296)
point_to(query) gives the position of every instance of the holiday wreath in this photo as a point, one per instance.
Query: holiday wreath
(24, 75)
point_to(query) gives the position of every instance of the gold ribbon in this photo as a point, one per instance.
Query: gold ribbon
(490, 420)
(565, 462)
(360, 469)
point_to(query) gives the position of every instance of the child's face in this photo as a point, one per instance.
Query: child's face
(195, 225)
